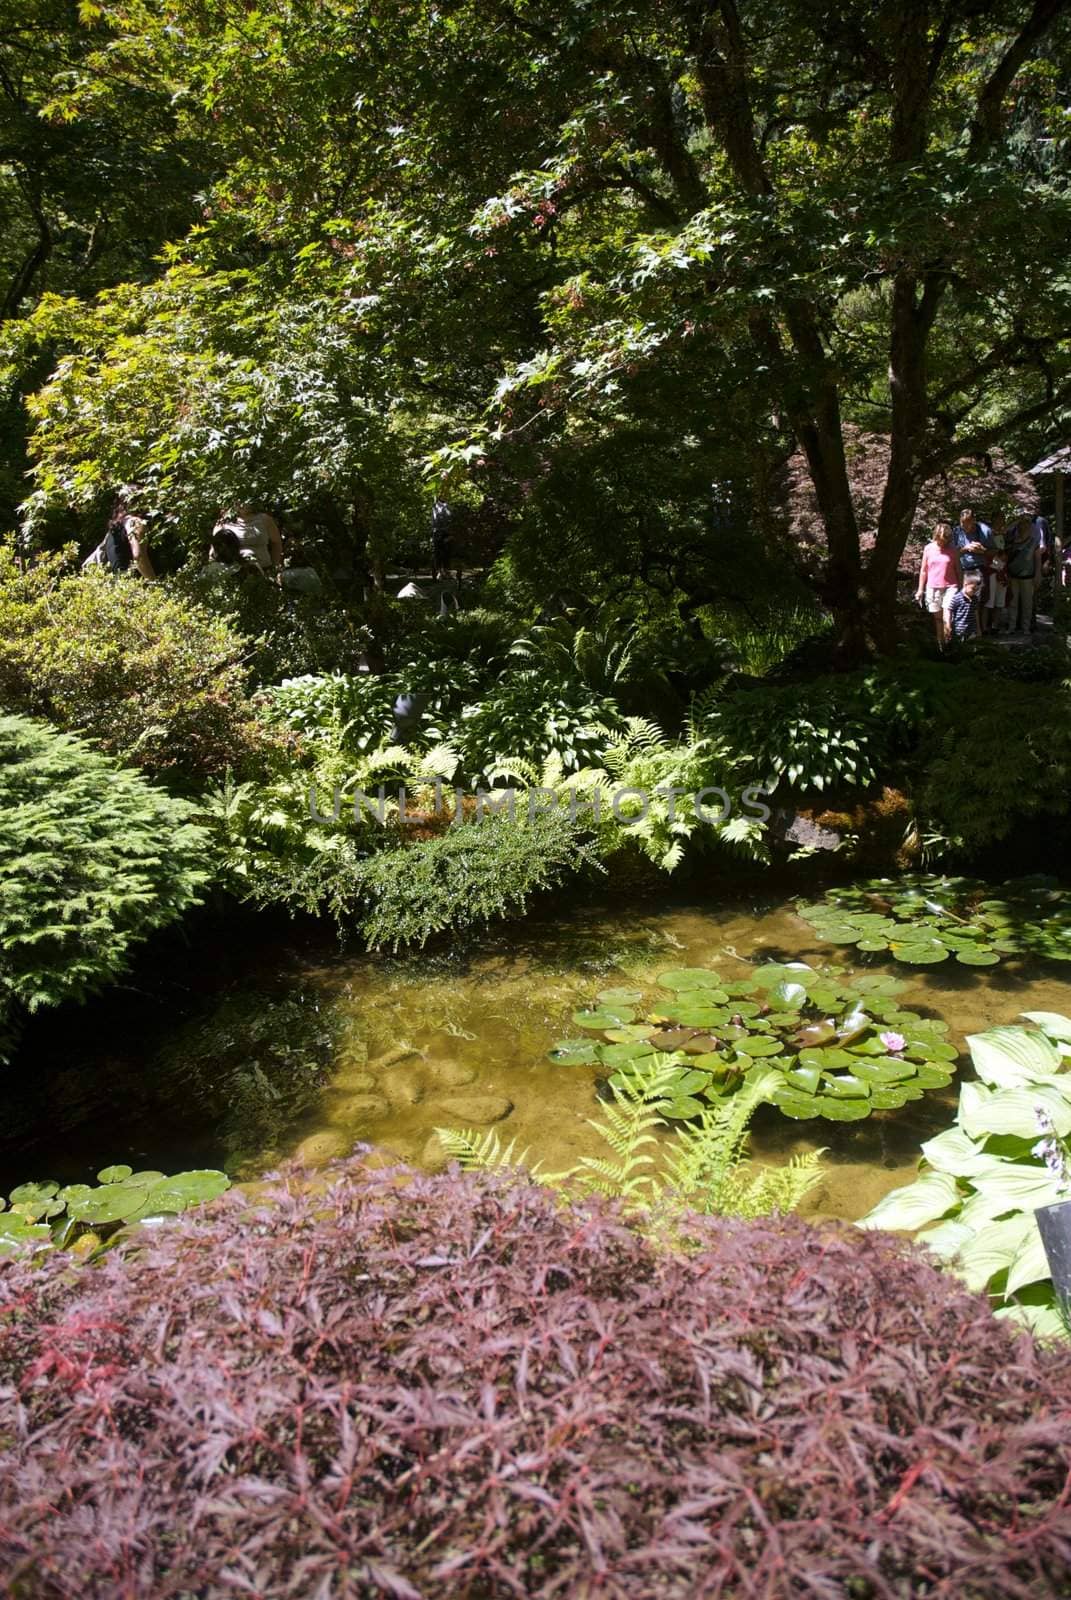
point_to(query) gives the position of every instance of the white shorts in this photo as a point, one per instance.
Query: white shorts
(940, 598)
(998, 593)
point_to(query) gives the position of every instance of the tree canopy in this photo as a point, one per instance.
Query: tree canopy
(525, 244)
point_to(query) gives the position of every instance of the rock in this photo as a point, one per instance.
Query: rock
(466, 1110)
(449, 1074)
(433, 1157)
(319, 1148)
(404, 1084)
(359, 1081)
(398, 1052)
(356, 1109)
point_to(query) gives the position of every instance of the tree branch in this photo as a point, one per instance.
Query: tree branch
(986, 127)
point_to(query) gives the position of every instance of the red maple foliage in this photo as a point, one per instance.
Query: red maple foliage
(987, 484)
(429, 1387)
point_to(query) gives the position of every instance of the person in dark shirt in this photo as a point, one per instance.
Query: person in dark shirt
(441, 544)
(963, 607)
(972, 540)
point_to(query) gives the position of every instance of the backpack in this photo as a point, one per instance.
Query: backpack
(117, 552)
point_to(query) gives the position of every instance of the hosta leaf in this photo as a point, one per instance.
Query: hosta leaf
(928, 1199)
(953, 1152)
(993, 1249)
(1052, 1022)
(1010, 1056)
(984, 1111)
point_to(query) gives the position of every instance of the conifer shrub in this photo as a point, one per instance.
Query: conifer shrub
(155, 678)
(460, 1388)
(93, 858)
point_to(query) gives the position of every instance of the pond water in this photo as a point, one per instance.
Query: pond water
(304, 1050)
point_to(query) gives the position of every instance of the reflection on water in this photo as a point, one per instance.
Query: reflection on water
(348, 1048)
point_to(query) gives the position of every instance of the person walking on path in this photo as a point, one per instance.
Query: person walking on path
(939, 579)
(1024, 571)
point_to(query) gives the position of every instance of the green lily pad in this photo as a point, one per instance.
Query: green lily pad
(977, 958)
(602, 1017)
(843, 1110)
(801, 1108)
(186, 1189)
(688, 978)
(574, 1052)
(115, 1174)
(32, 1193)
(760, 1046)
(612, 1055)
(620, 997)
(804, 1078)
(920, 955)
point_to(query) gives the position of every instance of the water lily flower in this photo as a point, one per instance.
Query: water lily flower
(893, 1042)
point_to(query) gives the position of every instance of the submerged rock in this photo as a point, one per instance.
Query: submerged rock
(404, 1083)
(319, 1148)
(433, 1157)
(354, 1080)
(464, 1110)
(449, 1074)
(357, 1109)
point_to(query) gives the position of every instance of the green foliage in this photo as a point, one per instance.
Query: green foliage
(982, 1179)
(531, 716)
(470, 873)
(800, 737)
(92, 860)
(840, 1050)
(985, 774)
(154, 678)
(80, 1214)
(702, 1168)
(922, 919)
(287, 635)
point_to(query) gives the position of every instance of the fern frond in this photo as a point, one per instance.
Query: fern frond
(441, 761)
(482, 1152)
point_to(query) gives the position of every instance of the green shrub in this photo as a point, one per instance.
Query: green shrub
(1004, 758)
(289, 634)
(532, 717)
(92, 860)
(154, 677)
(800, 736)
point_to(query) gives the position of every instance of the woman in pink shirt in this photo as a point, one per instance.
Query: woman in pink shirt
(939, 578)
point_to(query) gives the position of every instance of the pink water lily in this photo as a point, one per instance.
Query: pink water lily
(893, 1042)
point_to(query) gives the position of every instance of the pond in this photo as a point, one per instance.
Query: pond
(293, 1047)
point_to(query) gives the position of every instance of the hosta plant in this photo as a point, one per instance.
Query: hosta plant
(840, 1050)
(46, 1214)
(922, 919)
(981, 1180)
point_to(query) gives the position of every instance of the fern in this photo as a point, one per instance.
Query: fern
(628, 1126)
(482, 1152)
(703, 1169)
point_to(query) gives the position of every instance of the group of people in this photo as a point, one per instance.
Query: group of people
(243, 541)
(976, 578)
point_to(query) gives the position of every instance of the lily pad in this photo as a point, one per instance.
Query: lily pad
(602, 1017)
(688, 978)
(574, 1052)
